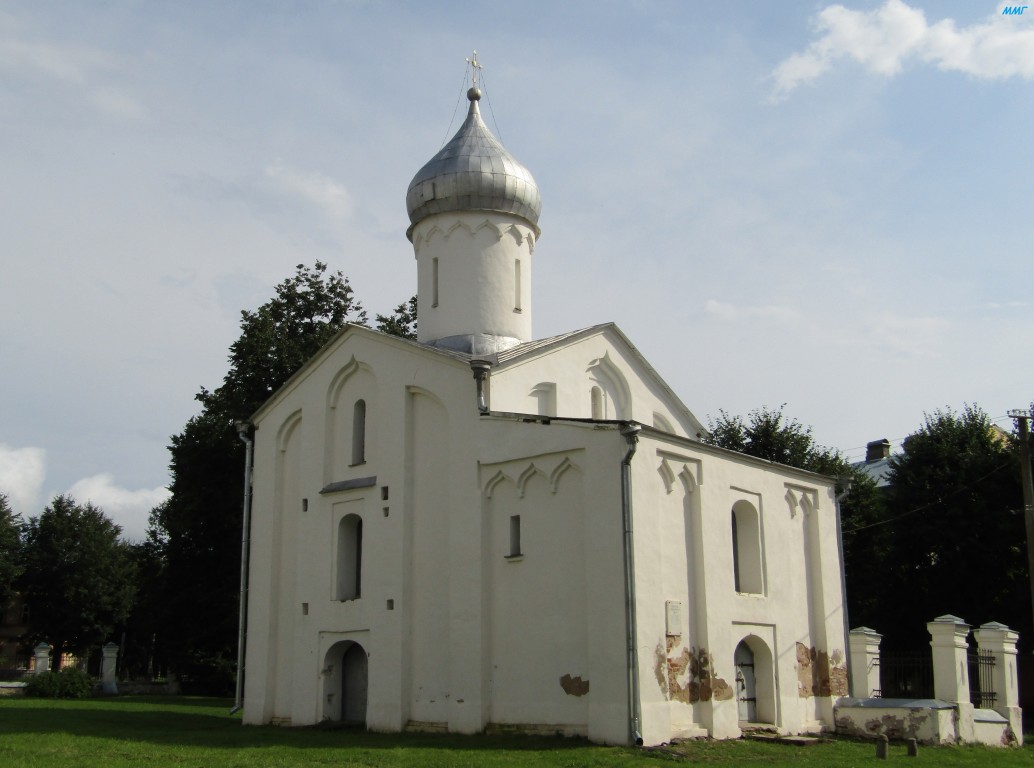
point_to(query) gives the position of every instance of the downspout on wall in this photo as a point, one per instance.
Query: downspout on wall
(482, 369)
(846, 481)
(243, 428)
(631, 434)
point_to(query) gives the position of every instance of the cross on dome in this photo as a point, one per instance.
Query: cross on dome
(474, 67)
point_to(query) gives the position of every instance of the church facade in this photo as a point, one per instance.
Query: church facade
(479, 530)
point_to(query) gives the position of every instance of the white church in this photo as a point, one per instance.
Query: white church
(481, 530)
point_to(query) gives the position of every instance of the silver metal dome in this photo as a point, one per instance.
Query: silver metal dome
(473, 172)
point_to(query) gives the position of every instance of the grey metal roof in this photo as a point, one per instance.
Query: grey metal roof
(531, 346)
(878, 470)
(473, 172)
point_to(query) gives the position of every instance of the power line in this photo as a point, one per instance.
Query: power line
(935, 502)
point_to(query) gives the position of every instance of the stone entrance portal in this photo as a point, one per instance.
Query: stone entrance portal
(345, 683)
(746, 684)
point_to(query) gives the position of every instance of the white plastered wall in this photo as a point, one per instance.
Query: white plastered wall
(683, 497)
(426, 548)
(477, 288)
(434, 525)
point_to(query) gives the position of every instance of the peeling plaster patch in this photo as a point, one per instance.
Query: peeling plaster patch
(574, 686)
(678, 668)
(837, 674)
(819, 674)
(687, 676)
(893, 726)
(660, 668)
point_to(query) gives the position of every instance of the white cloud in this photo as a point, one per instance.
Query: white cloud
(330, 197)
(21, 477)
(904, 336)
(86, 71)
(127, 508)
(885, 39)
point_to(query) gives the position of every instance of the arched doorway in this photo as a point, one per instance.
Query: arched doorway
(746, 684)
(755, 681)
(345, 683)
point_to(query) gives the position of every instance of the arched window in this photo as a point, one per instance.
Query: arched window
(359, 432)
(434, 282)
(596, 401)
(735, 554)
(517, 285)
(349, 557)
(515, 535)
(746, 549)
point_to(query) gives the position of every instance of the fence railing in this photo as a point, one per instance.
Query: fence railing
(981, 679)
(905, 675)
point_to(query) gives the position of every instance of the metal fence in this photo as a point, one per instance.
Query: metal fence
(905, 675)
(981, 679)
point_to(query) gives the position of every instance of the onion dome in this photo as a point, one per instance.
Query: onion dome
(473, 172)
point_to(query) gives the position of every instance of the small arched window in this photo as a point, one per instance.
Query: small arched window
(349, 557)
(748, 575)
(359, 432)
(434, 282)
(515, 535)
(517, 285)
(596, 401)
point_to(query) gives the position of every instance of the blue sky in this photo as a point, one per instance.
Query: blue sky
(804, 203)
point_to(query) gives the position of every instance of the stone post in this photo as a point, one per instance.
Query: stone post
(951, 668)
(42, 654)
(1000, 641)
(864, 647)
(108, 661)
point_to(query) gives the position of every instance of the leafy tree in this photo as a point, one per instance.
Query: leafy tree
(143, 648)
(78, 577)
(10, 549)
(400, 323)
(768, 434)
(953, 538)
(865, 542)
(198, 531)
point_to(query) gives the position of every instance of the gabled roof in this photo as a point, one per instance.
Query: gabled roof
(508, 357)
(532, 349)
(336, 340)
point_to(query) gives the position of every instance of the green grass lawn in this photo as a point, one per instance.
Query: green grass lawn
(184, 731)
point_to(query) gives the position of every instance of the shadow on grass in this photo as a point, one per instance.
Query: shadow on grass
(203, 722)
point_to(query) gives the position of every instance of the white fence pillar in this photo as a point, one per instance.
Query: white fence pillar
(1000, 641)
(42, 654)
(864, 647)
(108, 662)
(951, 667)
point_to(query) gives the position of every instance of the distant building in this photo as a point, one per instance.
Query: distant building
(479, 530)
(877, 462)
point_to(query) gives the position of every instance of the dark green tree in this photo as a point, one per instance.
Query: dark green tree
(768, 434)
(143, 648)
(866, 545)
(402, 322)
(10, 550)
(78, 577)
(953, 533)
(198, 531)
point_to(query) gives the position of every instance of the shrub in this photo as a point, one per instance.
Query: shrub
(69, 683)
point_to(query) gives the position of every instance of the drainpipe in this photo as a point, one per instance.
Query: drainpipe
(481, 369)
(242, 433)
(631, 434)
(845, 480)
